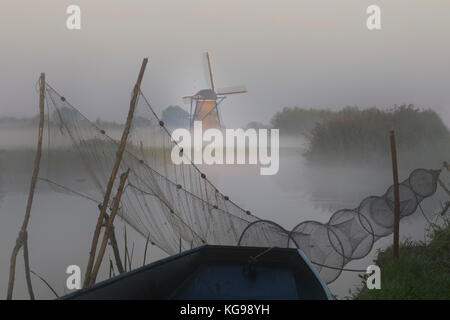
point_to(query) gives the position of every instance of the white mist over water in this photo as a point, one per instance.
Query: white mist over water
(62, 225)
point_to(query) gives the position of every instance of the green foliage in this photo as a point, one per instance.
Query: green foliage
(364, 134)
(295, 121)
(422, 271)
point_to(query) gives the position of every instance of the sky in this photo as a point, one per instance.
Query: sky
(312, 54)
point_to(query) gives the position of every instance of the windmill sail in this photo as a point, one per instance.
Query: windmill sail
(210, 71)
(231, 90)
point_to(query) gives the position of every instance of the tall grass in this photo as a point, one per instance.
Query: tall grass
(421, 272)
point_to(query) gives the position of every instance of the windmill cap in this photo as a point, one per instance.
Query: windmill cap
(206, 94)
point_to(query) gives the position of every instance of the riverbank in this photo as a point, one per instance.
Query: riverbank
(422, 271)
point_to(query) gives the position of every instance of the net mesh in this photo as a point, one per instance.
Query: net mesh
(165, 202)
(350, 233)
(177, 208)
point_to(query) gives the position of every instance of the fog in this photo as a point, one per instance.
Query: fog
(293, 53)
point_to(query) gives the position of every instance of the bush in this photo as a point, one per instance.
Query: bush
(296, 121)
(175, 117)
(363, 135)
(422, 271)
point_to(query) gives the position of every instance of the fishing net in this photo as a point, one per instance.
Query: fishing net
(350, 233)
(176, 207)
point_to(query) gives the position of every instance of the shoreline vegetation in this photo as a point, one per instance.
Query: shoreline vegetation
(422, 271)
(361, 136)
(324, 137)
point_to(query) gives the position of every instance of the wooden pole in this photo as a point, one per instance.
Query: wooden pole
(113, 243)
(109, 225)
(125, 249)
(396, 195)
(27, 267)
(112, 238)
(119, 154)
(145, 251)
(23, 231)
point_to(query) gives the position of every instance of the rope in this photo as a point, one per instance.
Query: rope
(254, 259)
(247, 268)
(69, 190)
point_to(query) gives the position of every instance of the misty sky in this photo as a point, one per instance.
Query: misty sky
(288, 53)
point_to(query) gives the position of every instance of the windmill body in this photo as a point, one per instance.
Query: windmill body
(206, 109)
(204, 105)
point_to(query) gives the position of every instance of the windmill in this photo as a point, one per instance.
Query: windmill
(205, 103)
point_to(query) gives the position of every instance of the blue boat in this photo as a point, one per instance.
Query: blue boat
(217, 273)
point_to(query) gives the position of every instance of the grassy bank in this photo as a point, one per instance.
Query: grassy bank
(421, 272)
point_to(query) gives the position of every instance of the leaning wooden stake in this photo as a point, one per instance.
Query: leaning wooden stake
(113, 243)
(119, 154)
(112, 238)
(145, 251)
(23, 231)
(108, 228)
(396, 195)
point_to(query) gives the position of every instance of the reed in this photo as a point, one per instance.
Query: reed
(360, 135)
